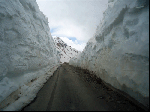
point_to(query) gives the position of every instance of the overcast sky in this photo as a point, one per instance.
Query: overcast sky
(75, 21)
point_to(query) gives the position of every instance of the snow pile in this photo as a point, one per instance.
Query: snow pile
(119, 51)
(65, 52)
(26, 93)
(27, 50)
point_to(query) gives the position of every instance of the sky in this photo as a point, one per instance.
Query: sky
(75, 21)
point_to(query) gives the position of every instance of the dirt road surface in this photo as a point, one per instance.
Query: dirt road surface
(74, 89)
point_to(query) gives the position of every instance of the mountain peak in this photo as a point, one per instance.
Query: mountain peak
(65, 52)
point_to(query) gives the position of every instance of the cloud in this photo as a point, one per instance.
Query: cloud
(78, 45)
(73, 18)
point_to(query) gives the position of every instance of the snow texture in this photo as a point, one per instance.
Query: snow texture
(119, 51)
(27, 50)
(65, 52)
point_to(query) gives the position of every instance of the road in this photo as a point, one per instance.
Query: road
(74, 89)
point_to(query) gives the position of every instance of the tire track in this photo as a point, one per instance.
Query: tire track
(53, 92)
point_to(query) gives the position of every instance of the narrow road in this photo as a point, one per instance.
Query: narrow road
(73, 89)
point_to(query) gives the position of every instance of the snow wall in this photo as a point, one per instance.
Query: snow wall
(119, 51)
(27, 50)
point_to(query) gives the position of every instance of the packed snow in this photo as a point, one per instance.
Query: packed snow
(119, 51)
(27, 52)
(65, 52)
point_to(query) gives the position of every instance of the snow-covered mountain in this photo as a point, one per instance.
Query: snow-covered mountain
(119, 51)
(65, 52)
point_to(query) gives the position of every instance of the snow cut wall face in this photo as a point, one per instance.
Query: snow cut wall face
(119, 51)
(26, 44)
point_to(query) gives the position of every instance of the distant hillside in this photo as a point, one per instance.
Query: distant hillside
(65, 52)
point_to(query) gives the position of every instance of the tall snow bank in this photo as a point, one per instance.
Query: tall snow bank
(119, 51)
(27, 49)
